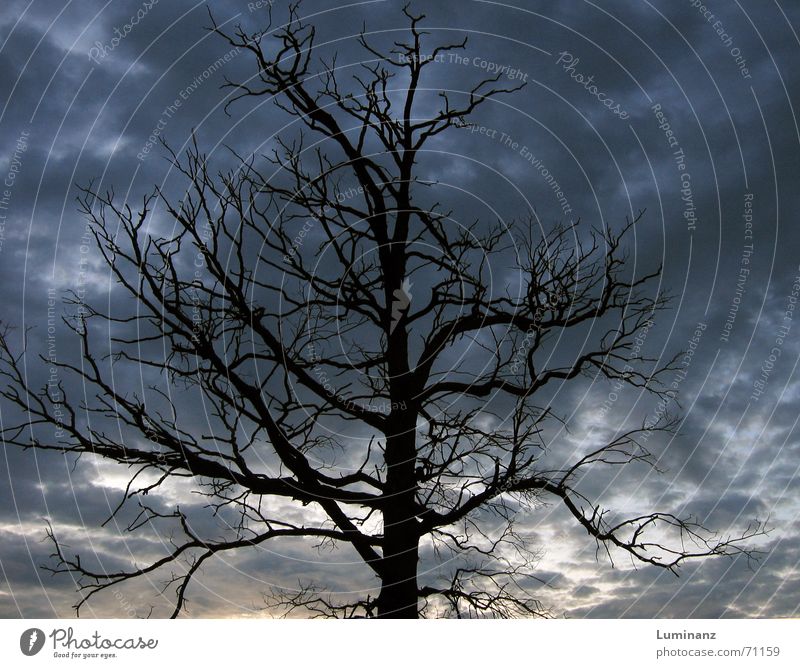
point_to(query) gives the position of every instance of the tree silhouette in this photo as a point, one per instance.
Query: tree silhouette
(319, 309)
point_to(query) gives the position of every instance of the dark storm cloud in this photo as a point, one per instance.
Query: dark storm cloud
(734, 459)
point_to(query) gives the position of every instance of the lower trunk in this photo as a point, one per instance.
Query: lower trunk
(399, 592)
(400, 544)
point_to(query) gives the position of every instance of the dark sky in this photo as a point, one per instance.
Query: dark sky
(720, 193)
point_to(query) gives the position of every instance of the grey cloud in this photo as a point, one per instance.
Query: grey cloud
(605, 177)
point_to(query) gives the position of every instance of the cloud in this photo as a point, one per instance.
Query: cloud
(734, 458)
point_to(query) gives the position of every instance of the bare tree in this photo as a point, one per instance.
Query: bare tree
(298, 332)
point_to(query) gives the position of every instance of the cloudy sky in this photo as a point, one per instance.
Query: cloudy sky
(720, 193)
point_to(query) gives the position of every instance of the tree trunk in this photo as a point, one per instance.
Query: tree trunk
(399, 592)
(398, 597)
